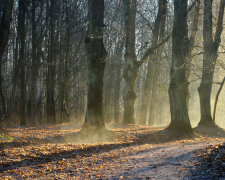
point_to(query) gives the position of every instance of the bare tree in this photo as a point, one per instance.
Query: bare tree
(96, 55)
(211, 46)
(178, 89)
(158, 35)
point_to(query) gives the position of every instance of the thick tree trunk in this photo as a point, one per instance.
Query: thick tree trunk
(5, 28)
(129, 94)
(178, 89)
(205, 89)
(96, 55)
(209, 60)
(131, 68)
(5, 23)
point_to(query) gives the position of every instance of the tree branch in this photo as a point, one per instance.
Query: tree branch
(149, 24)
(219, 26)
(194, 26)
(152, 49)
(192, 5)
(217, 97)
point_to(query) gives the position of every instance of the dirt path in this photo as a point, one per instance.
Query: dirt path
(166, 161)
(136, 153)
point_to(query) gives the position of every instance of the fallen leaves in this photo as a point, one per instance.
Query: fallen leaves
(41, 153)
(211, 162)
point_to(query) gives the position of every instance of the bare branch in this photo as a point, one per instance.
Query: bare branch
(152, 49)
(148, 22)
(192, 5)
(219, 26)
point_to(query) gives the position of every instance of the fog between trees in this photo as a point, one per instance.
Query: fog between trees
(111, 62)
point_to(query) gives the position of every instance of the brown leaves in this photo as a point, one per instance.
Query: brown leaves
(211, 163)
(31, 155)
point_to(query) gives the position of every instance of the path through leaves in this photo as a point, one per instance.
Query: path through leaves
(133, 152)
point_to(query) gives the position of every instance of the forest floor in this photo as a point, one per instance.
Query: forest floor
(60, 152)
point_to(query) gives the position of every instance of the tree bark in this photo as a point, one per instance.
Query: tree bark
(50, 100)
(192, 42)
(21, 21)
(5, 28)
(178, 89)
(96, 55)
(131, 68)
(35, 65)
(116, 95)
(209, 61)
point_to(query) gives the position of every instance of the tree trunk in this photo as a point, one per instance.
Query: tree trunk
(5, 24)
(2, 97)
(158, 35)
(147, 91)
(178, 89)
(116, 95)
(21, 21)
(131, 68)
(152, 106)
(209, 60)
(35, 65)
(217, 98)
(96, 55)
(130, 94)
(50, 101)
(117, 77)
(64, 114)
(5, 28)
(192, 42)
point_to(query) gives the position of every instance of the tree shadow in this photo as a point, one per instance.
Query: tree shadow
(115, 140)
(138, 139)
(169, 161)
(211, 132)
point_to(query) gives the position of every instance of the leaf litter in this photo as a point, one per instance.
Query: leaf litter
(131, 152)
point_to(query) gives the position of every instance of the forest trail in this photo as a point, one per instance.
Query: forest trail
(131, 153)
(166, 161)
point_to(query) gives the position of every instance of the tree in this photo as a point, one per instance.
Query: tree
(211, 46)
(35, 64)
(22, 34)
(131, 64)
(6, 13)
(131, 68)
(178, 89)
(50, 98)
(217, 98)
(96, 55)
(158, 35)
